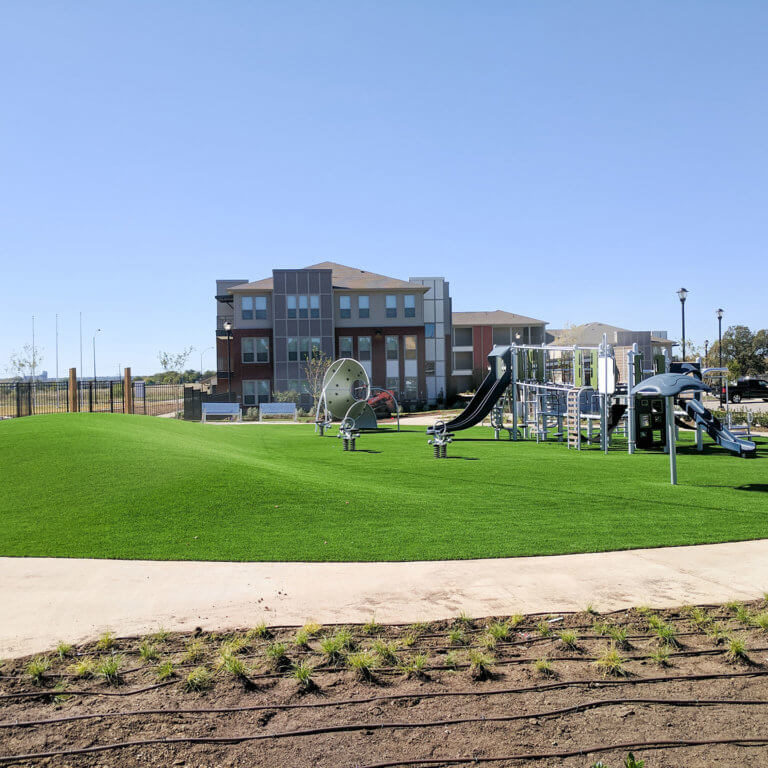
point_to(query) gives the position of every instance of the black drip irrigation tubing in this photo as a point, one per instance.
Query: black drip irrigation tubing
(670, 744)
(590, 704)
(352, 727)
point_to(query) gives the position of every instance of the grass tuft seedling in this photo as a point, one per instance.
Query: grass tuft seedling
(499, 630)
(386, 651)
(745, 616)
(611, 662)
(148, 651)
(37, 668)
(275, 653)
(336, 645)
(660, 656)
(305, 634)
(415, 666)
(590, 610)
(84, 668)
(515, 620)
(233, 646)
(699, 617)
(464, 620)
(194, 651)
(371, 627)
(199, 679)
(544, 628)
(409, 639)
(631, 762)
(105, 642)
(234, 665)
(363, 663)
(457, 636)
(487, 641)
(164, 671)
(260, 631)
(480, 664)
(161, 635)
(618, 635)
(569, 639)
(109, 668)
(302, 673)
(667, 635)
(760, 620)
(717, 633)
(737, 650)
(63, 649)
(451, 659)
(543, 667)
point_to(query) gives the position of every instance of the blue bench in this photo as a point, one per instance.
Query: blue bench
(278, 409)
(221, 409)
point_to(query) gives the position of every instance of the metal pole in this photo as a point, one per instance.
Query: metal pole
(94, 359)
(34, 350)
(682, 306)
(229, 362)
(632, 437)
(671, 440)
(81, 345)
(699, 431)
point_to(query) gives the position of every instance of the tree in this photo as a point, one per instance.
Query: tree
(744, 353)
(25, 363)
(314, 372)
(173, 364)
(692, 350)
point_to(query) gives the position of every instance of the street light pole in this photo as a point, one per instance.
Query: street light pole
(228, 329)
(706, 350)
(683, 295)
(202, 352)
(98, 330)
(719, 314)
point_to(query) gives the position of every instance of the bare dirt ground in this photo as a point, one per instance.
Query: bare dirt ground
(683, 692)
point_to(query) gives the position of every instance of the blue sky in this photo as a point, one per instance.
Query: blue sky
(569, 161)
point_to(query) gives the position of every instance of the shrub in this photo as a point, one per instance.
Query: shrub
(480, 664)
(302, 673)
(105, 641)
(543, 667)
(415, 666)
(194, 650)
(199, 679)
(499, 630)
(569, 639)
(611, 662)
(63, 649)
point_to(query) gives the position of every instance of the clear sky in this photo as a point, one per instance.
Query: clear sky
(573, 161)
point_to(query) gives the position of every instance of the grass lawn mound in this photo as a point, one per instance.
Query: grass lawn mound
(114, 486)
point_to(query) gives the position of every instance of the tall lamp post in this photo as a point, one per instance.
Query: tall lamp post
(719, 314)
(98, 330)
(706, 350)
(228, 329)
(683, 295)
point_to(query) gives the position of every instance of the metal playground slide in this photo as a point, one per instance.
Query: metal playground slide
(717, 430)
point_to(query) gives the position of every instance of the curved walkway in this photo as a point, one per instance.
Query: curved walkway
(44, 600)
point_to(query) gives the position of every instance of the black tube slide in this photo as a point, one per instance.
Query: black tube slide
(488, 394)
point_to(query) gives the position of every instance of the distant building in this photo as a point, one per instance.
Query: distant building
(476, 333)
(397, 329)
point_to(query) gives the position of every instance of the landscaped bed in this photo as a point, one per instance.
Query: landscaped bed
(114, 486)
(680, 687)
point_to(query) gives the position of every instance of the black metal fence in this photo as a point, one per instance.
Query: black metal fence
(194, 399)
(39, 397)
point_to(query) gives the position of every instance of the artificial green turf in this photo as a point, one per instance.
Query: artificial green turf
(114, 486)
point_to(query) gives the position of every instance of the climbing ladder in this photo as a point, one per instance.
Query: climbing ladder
(573, 417)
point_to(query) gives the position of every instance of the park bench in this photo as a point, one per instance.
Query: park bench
(221, 409)
(278, 409)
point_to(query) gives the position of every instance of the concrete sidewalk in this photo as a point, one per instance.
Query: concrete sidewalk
(44, 600)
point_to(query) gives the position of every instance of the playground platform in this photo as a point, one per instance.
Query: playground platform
(45, 600)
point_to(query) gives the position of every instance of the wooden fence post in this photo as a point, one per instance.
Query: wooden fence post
(127, 391)
(74, 399)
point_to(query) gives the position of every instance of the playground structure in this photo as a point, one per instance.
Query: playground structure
(348, 397)
(580, 395)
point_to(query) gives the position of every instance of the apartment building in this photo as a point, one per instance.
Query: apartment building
(476, 333)
(267, 330)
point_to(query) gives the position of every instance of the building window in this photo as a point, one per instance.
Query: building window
(260, 308)
(409, 302)
(501, 337)
(345, 306)
(290, 307)
(255, 392)
(314, 306)
(429, 330)
(363, 306)
(293, 349)
(410, 347)
(246, 307)
(429, 367)
(462, 337)
(303, 306)
(363, 348)
(345, 346)
(392, 345)
(255, 350)
(304, 348)
(392, 383)
(391, 306)
(411, 387)
(462, 361)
